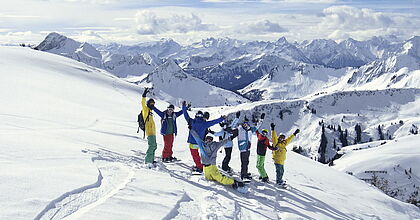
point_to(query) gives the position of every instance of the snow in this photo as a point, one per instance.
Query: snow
(69, 150)
(392, 156)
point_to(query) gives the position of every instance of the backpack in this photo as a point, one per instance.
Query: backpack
(140, 120)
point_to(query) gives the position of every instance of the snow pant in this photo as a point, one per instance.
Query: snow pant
(260, 166)
(244, 163)
(212, 173)
(196, 156)
(226, 160)
(279, 173)
(168, 142)
(150, 153)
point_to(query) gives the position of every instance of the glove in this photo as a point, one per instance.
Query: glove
(210, 131)
(296, 132)
(238, 114)
(146, 90)
(262, 115)
(272, 126)
(189, 105)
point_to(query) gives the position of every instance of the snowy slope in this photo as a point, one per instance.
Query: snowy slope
(120, 64)
(398, 158)
(67, 142)
(293, 80)
(173, 85)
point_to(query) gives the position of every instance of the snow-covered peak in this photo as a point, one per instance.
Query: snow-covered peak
(173, 85)
(55, 42)
(218, 43)
(412, 47)
(168, 70)
(282, 41)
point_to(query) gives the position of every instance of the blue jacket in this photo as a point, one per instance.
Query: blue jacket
(164, 122)
(199, 125)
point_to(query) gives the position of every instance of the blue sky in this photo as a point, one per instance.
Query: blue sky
(187, 21)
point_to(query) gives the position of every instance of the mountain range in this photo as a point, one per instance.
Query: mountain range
(323, 87)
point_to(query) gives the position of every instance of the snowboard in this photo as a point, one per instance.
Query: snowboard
(172, 161)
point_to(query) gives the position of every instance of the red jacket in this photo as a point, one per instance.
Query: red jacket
(263, 143)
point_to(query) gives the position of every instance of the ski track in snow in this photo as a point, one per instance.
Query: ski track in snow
(112, 177)
(265, 200)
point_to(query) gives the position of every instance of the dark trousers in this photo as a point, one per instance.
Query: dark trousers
(244, 163)
(226, 160)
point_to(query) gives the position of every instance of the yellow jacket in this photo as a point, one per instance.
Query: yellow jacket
(148, 122)
(279, 156)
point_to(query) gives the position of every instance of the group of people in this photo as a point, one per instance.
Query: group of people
(204, 149)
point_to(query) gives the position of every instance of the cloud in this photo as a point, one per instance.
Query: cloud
(149, 23)
(341, 22)
(350, 18)
(260, 27)
(89, 36)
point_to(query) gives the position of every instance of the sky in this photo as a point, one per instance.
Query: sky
(187, 21)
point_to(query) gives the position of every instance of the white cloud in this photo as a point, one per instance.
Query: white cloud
(149, 23)
(350, 18)
(341, 22)
(260, 27)
(89, 36)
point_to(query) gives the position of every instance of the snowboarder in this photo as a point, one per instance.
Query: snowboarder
(244, 143)
(200, 126)
(209, 149)
(168, 130)
(279, 155)
(262, 144)
(150, 128)
(225, 132)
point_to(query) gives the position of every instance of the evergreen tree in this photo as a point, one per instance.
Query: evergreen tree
(381, 135)
(323, 146)
(358, 130)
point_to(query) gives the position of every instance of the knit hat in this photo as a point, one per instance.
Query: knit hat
(264, 131)
(171, 106)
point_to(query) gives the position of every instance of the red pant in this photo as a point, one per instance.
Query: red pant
(196, 157)
(168, 141)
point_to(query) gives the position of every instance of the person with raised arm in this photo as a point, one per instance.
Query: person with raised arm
(150, 128)
(168, 130)
(279, 155)
(199, 125)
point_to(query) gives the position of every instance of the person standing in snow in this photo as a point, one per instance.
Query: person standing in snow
(200, 126)
(279, 155)
(209, 150)
(168, 130)
(223, 134)
(262, 145)
(245, 132)
(150, 127)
